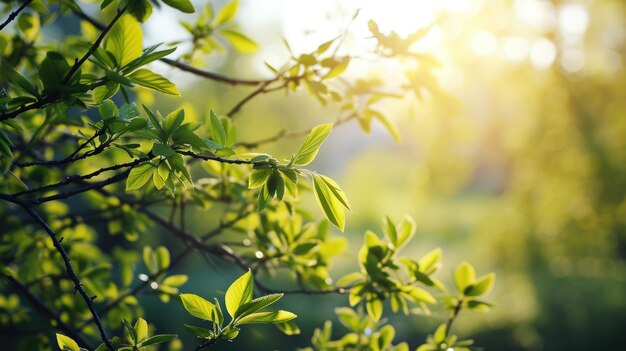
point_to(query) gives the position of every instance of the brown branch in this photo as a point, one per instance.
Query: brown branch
(215, 158)
(214, 76)
(76, 178)
(14, 14)
(455, 313)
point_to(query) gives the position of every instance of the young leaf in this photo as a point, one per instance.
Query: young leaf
(258, 177)
(241, 42)
(158, 339)
(374, 308)
(124, 40)
(181, 5)
(267, 317)
(217, 129)
(482, 285)
(288, 328)
(197, 306)
(139, 176)
(202, 333)
(141, 327)
(464, 276)
(331, 199)
(311, 144)
(149, 79)
(66, 343)
(239, 293)
(227, 13)
(257, 304)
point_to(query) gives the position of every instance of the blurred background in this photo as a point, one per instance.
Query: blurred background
(516, 163)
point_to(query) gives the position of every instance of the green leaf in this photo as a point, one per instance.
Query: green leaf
(197, 306)
(464, 276)
(217, 129)
(149, 79)
(258, 177)
(387, 123)
(241, 42)
(158, 339)
(141, 327)
(162, 150)
(202, 333)
(257, 304)
(267, 317)
(429, 262)
(332, 208)
(139, 9)
(52, 71)
(288, 328)
(226, 13)
(131, 331)
(104, 92)
(181, 5)
(419, 295)
(29, 24)
(390, 231)
(66, 343)
(331, 199)
(482, 285)
(172, 121)
(124, 40)
(264, 198)
(139, 176)
(311, 144)
(239, 293)
(374, 308)
(16, 78)
(176, 280)
(338, 69)
(406, 231)
(108, 110)
(150, 260)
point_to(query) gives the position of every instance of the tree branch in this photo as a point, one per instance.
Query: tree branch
(76, 178)
(14, 14)
(68, 266)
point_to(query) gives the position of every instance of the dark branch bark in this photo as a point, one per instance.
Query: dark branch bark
(14, 14)
(68, 266)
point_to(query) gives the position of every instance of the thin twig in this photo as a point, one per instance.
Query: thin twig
(14, 14)
(76, 178)
(68, 266)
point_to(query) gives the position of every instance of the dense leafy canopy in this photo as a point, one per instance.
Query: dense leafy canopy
(86, 156)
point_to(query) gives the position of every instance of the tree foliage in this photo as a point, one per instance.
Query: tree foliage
(84, 159)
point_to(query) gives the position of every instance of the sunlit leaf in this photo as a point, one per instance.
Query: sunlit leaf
(239, 293)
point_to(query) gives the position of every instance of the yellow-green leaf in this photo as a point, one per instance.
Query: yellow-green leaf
(241, 42)
(267, 317)
(149, 79)
(139, 176)
(66, 343)
(239, 293)
(181, 5)
(311, 144)
(197, 306)
(227, 13)
(464, 276)
(124, 40)
(141, 327)
(331, 204)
